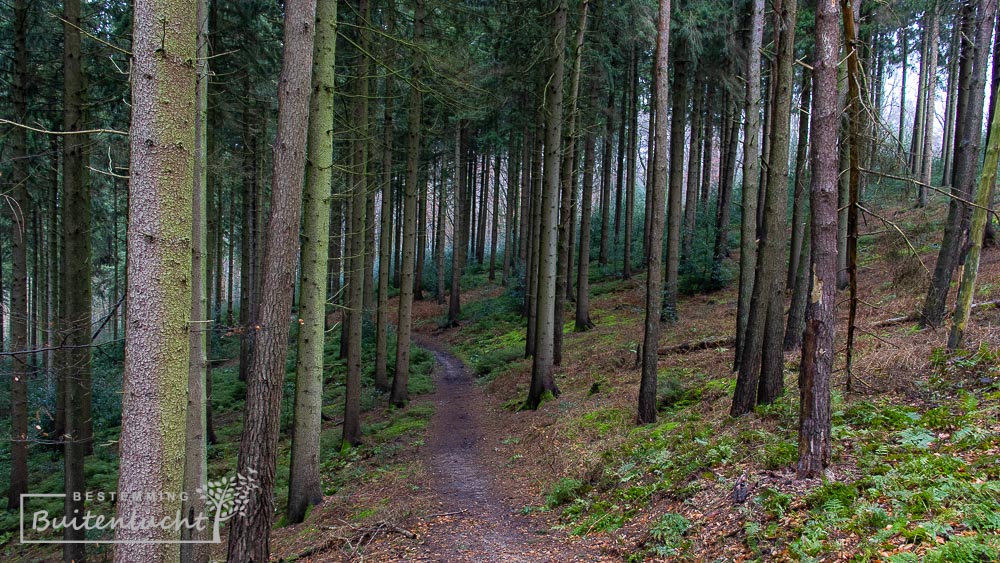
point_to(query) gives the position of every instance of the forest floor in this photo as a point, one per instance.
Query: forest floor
(915, 475)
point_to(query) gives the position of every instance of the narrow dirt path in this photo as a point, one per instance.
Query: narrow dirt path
(476, 521)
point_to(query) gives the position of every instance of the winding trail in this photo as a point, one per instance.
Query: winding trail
(478, 523)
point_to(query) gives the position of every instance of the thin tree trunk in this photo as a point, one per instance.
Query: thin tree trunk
(459, 240)
(751, 177)
(400, 392)
(606, 166)
(631, 157)
(567, 173)
(801, 196)
(356, 240)
(800, 295)
(495, 218)
(385, 243)
(651, 328)
(926, 166)
(199, 332)
(676, 183)
(694, 165)
(442, 215)
(947, 148)
(726, 178)
(75, 361)
(304, 486)
(586, 209)
(19, 267)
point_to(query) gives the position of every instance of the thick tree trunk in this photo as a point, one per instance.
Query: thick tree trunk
(400, 380)
(751, 177)
(651, 329)
(250, 530)
(818, 349)
(542, 378)
(304, 486)
(157, 344)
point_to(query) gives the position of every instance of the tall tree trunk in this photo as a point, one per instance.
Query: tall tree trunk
(606, 167)
(905, 63)
(459, 244)
(726, 177)
(622, 149)
(977, 25)
(914, 158)
(195, 440)
(442, 215)
(586, 210)
(75, 361)
(19, 267)
(951, 104)
(751, 177)
(304, 486)
(818, 349)
(495, 218)
(651, 328)
(418, 275)
(801, 196)
(760, 377)
(567, 175)
(356, 239)
(400, 392)
(676, 182)
(542, 378)
(250, 530)
(633, 137)
(694, 165)
(800, 295)
(157, 344)
(708, 144)
(484, 191)
(930, 102)
(523, 237)
(385, 242)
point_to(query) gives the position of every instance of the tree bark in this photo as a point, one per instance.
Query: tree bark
(586, 209)
(250, 531)
(75, 363)
(606, 167)
(199, 331)
(304, 486)
(651, 328)
(400, 392)
(761, 377)
(800, 199)
(459, 240)
(542, 378)
(356, 240)
(158, 340)
(694, 165)
(19, 266)
(385, 242)
(751, 177)
(977, 21)
(818, 350)
(676, 181)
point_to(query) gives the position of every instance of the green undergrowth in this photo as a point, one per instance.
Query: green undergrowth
(916, 482)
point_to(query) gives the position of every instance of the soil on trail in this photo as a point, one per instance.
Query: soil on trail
(476, 521)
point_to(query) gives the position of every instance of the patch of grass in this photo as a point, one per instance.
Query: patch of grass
(565, 490)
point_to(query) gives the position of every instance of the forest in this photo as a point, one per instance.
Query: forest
(499, 280)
